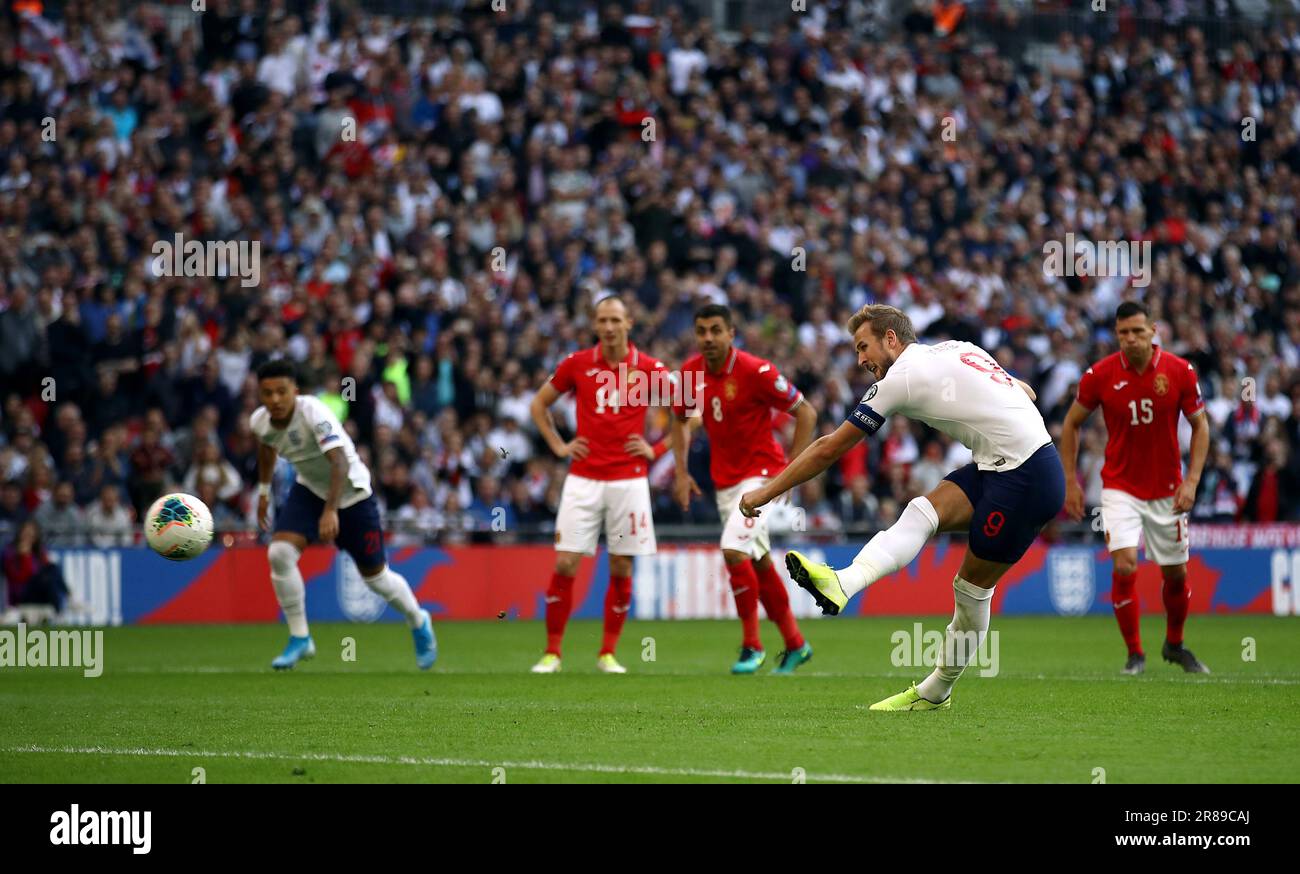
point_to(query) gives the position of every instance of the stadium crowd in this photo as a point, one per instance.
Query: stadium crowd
(509, 169)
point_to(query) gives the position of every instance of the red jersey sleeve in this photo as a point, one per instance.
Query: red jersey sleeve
(562, 379)
(686, 388)
(1191, 401)
(667, 385)
(1089, 390)
(774, 389)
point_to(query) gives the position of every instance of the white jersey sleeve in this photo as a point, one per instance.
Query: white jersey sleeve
(313, 431)
(885, 397)
(959, 389)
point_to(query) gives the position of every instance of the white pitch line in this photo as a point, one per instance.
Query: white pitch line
(1288, 680)
(464, 763)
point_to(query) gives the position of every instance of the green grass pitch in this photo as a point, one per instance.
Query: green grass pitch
(174, 699)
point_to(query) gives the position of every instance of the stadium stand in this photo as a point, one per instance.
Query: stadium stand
(510, 168)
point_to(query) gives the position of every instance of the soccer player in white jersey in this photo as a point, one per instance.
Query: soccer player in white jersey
(1003, 498)
(330, 502)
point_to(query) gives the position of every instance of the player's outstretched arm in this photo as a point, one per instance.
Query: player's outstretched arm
(540, 409)
(1074, 420)
(805, 420)
(820, 454)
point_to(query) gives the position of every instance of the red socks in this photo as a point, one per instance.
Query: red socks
(1123, 597)
(559, 601)
(618, 600)
(776, 601)
(744, 586)
(1177, 597)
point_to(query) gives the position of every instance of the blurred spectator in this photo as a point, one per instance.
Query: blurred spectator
(60, 518)
(110, 521)
(1274, 494)
(149, 463)
(211, 469)
(29, 575)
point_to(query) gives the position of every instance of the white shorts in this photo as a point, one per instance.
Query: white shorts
(747, 535)
(1127, 519)
(620, 506)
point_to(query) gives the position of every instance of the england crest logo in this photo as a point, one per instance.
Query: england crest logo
(1070, 581)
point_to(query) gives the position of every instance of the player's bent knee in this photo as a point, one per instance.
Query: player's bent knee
(282, 555)
(566, 563)
(1125, 566)
(948, 505)
(733, 556)
(369, 572)
(981, 571)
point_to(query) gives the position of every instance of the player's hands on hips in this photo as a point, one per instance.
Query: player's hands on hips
(329, 525)
(751, 501)
(263, 512)
(575, 448)
(637, 445)
(1184, 497)
(684, 489)
(1074, 501)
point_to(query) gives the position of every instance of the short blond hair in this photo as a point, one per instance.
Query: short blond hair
(883, 318)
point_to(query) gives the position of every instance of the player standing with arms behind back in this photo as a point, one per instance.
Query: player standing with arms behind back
(607, 486)
(330, 502)
(1003, 498)
(1141, 390)
(737, 393)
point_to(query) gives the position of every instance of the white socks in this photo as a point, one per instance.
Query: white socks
(289, 588)
(893, 548)
(292, 594)
(965, 634)
(393, 588)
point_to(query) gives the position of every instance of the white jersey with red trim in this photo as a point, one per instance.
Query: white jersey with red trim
(959, 389)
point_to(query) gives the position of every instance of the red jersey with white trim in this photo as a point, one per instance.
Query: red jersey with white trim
(737, 404)
(1141, 412)
(610, 410)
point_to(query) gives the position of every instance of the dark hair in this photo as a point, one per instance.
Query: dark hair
(715, 311)
(277, 368)
(1131, 308)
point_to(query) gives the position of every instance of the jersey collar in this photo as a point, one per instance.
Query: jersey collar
(633, 356)
(1151, 365)
(728, 365)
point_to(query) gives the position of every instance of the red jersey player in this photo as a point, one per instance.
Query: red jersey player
(1141, 390)
(606, 486)
(737, 393)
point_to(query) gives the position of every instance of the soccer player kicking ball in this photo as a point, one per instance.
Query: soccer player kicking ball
(737, 393)
(1141, 390)
(330, 502)
(1003, 498)
(606, 487)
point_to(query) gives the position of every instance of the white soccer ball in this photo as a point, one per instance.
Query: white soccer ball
(178, 526)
